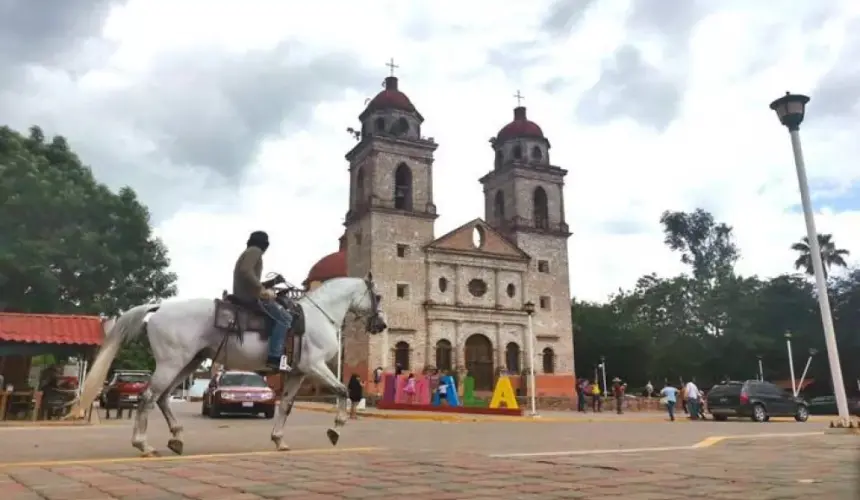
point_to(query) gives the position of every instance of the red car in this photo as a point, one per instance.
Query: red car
(235, 392)
(124, 389)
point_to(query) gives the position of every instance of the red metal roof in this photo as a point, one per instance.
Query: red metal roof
(390, 98)
(51, 329)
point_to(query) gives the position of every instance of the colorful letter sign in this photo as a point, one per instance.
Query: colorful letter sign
(504, 393)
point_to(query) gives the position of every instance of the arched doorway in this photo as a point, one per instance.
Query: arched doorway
(479, 361)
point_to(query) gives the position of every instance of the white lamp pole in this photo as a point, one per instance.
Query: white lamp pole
(603, 369)
(790, 363)
(529, 308)
(760, 369)
(790, 109)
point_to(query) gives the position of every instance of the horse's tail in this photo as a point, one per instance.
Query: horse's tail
(125, 328)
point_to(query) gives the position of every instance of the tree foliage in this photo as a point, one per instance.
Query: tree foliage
(713, 323)
(68, 244)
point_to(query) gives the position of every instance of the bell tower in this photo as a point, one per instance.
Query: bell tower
(391, 214)
(524, 199)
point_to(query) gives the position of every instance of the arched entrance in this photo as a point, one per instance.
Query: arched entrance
(479, 361)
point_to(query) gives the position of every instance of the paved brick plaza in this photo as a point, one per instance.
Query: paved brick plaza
(410, 459)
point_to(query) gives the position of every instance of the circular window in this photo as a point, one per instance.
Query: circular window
(511, 290)
(443, 285)
(477, 287)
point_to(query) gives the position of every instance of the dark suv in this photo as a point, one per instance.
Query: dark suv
(756, 400)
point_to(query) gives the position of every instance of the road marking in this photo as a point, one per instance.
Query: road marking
(705, 443)
(589, 452)
(119, 460)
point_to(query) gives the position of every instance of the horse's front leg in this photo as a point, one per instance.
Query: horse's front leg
(322, 371)
(292, 384)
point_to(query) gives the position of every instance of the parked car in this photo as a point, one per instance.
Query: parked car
(756, 400)
(826, 405)
(124, 389)
(238, 392)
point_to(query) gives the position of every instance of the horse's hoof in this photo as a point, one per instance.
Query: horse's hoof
(149, 454)
(175, 446)
(333, 436)
(282, 447)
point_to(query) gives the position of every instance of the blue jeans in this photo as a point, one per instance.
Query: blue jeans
(693, 407)
(281, 321)
(670, 407)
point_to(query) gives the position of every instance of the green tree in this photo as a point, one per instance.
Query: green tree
(830, 255)
(704, 244)
(68, 244)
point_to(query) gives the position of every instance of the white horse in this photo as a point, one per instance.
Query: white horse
(182, 335)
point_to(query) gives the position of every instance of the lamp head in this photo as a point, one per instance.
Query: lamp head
(790, 109)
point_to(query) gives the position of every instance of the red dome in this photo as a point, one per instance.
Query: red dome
(331, 266)
(390, 98)
(520, 127)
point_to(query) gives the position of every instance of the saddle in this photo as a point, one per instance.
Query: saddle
(236, 317)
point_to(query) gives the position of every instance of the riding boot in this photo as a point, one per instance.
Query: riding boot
(276, 359)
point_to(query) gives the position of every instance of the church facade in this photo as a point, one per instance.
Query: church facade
(457, 301)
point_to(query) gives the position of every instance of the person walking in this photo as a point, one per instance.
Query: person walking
(618, 390)
(356, 393)
(595, 397)
(581, 395)
(691, 392)
(670, 396)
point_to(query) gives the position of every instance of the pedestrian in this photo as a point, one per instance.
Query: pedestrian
(356, 394)
(670, 397)
(582, 394)
(649, 389)
(691, 393)
(618, 390)
(410, 389)
(595, 397)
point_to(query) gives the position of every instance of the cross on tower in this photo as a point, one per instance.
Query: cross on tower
(519, 98)
(392, 66)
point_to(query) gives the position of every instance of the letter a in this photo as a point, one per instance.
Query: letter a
(504, 393)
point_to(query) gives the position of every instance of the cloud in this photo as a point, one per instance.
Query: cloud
(230, 117)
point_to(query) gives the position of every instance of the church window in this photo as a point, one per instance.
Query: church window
(477, 287)
(402, 250)
(544, 302)
(443, 355)
(403, 188)
(511, 290)
(478, 236)
(379, 124)
(400, 127)
(537, 154)
(358, 239)
(540, 208)
(499, 206)
(548, 360)
(443, 284)
(512, 357)
(402, 291)
(499, 159)
(518, 152)
(543, 266)
(359, 186)
(401, 355)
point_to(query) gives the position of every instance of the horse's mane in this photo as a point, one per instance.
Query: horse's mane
(327, 285)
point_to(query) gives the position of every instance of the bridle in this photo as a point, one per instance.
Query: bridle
(374, 322)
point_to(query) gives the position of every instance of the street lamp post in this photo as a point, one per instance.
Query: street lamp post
(812, 352)
(760, 370)
(790, 363)
(603, 369)
(529, 308)
(790, 109)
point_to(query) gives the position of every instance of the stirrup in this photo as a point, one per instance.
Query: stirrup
(283, 365)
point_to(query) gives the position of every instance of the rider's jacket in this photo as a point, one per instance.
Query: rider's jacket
(247, 273)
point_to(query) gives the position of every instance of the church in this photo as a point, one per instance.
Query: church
(461, 301)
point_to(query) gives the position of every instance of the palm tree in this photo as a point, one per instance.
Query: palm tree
(830, 255)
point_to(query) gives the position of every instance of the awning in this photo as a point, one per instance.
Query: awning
(54, 329)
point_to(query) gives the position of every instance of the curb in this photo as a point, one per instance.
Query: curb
(489, 418)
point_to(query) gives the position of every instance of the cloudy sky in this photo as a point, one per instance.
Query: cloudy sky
(229, 116)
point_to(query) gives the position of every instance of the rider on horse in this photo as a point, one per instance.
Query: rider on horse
(248, 288)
